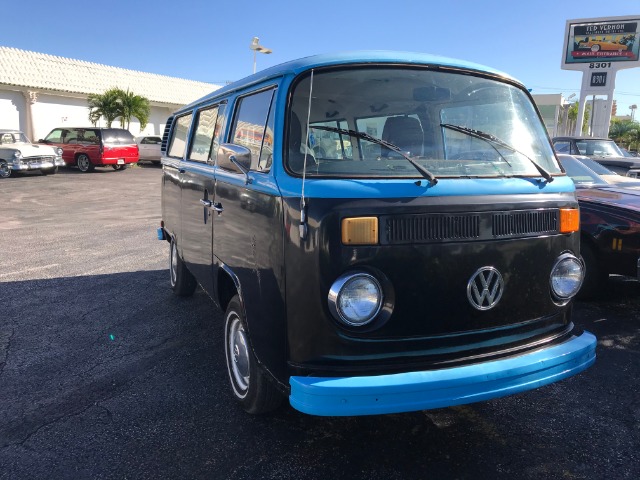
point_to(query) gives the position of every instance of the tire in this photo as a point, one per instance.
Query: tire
(595, 278)
(5, 171)
(119, 167)
(84, 163)
(49, 171)
(250, 385)
(595, 48)
(181, 280)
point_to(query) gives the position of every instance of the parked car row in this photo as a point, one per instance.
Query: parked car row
(603, 150)
(85, 148)
(609, 221)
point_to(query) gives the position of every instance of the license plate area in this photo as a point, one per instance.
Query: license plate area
(121, 161)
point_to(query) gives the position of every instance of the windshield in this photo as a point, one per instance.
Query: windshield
(9, 138)
(598, 148)
(581, 175)
(450, 124)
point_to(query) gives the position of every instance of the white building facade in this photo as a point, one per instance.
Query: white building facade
(40, 92)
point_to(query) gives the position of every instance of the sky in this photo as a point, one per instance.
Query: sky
(209, 41)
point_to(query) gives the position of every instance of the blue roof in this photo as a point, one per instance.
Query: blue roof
(358, 57)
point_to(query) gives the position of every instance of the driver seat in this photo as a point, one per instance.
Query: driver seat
(405, 133)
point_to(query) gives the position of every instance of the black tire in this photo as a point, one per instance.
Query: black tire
(5, 171)
(84, 163)
(49, 171)
(119, 167)
(250, 385)
(595, 278)
(181, 280)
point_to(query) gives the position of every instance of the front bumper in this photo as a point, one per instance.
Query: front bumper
(27, 164)
(412, 391)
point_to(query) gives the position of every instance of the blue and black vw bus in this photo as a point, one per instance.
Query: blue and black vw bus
(385, 231)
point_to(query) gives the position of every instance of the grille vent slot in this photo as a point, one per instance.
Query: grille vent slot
(165, 135)
(522, 223)
(470, 227)
(427, 228)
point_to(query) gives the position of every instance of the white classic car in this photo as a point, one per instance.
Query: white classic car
(17, 153)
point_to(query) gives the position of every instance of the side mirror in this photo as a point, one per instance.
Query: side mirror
(235, 158)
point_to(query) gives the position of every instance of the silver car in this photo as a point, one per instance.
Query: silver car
(149, 147)
(17, 153)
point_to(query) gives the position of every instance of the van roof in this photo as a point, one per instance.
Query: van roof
(358, 57)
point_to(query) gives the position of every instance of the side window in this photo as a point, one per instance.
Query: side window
(562, 147)
(178, 140)
(203, 135)
(70, 137)
(250, 128)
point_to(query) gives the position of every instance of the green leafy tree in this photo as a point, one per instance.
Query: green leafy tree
(573, 116)
(117, 103)
(105, 105)
(133, 106)
(619, 130)
(632, 137)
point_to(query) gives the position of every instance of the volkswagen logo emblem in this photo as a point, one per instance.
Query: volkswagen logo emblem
(485, 287)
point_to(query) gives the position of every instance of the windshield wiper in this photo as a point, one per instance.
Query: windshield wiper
(365, 136)
(491, 140)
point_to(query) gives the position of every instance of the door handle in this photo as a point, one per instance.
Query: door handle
(217, 207)
(206, 203)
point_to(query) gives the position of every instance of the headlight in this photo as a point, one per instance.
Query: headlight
(355, 298)
(566, 277)
(17, 154)
(58, 151)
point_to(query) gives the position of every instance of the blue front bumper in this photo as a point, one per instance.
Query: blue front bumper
(406, 392)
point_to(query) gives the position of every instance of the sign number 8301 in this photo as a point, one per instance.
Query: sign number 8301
(600, 65)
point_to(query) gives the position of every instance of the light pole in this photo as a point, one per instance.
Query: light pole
(633, 111)
(256, 47)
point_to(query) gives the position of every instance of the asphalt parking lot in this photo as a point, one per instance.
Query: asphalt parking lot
(105, 374)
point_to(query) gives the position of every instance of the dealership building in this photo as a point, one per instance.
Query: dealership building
(39, 92)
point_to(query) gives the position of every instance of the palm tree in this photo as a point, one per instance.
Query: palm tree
(633, 137)
(105, 105)
(132, 105)
(618, 130)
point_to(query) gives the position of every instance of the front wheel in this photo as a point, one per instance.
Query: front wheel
(5, 171)
(249, 383)
(84, 163)
(182, 281)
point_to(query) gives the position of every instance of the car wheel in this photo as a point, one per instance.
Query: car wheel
(49, 171)
(5, 171)
(182, 281)
(595, 278)
(84, 163)
(249, 383)
(595, 48)
(119, 167)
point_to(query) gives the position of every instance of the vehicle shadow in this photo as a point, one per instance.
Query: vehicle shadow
(134, 380)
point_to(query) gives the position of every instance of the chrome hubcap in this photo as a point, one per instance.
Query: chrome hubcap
(4, 169)
(83, 163)
(239, 354)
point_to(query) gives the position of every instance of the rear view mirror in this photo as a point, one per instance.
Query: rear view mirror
(431, 94)
(235, 158)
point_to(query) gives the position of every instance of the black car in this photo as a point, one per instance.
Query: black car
(603, 150)
(609, 223)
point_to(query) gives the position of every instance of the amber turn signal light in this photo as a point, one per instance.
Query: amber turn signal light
(360, 231)
(569, 220)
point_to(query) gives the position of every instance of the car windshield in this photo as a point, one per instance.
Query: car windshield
(598, 148)
(451, 124)
(581, 175)
(595, 166)
(9, 138)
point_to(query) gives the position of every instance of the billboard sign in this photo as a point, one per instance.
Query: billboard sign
(614, 40)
